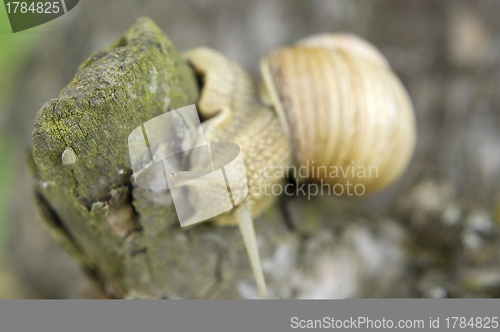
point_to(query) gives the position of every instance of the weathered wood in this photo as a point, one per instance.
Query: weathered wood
(81, 151)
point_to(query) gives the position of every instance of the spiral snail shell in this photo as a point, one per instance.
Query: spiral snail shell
(342, 106)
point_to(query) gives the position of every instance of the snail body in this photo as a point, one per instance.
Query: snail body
(230, 105)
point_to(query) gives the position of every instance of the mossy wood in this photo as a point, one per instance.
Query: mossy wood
(83, 168)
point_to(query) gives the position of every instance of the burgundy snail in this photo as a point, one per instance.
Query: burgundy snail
(332, 99)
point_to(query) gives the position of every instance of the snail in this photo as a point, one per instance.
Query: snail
(330, 100)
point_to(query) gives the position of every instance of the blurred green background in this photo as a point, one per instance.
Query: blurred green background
(14, 50)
